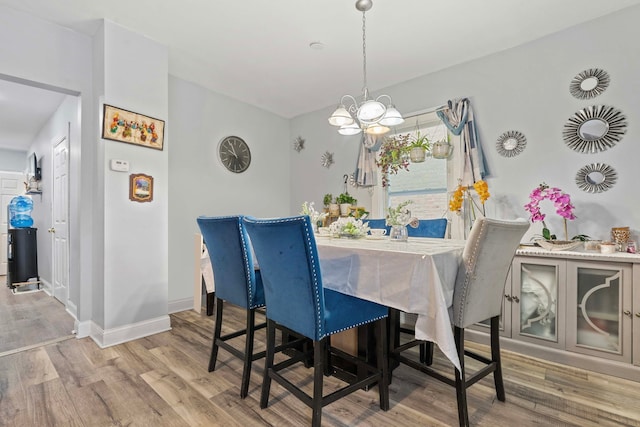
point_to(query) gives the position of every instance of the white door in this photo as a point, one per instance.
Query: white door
(60, 215)
(11, 185)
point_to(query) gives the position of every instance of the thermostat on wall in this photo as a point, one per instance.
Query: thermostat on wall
(119, 165)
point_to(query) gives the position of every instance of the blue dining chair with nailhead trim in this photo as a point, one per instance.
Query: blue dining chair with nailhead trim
(237, 282)
(295, 298)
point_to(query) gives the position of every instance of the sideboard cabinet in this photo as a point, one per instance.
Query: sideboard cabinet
(573, 307)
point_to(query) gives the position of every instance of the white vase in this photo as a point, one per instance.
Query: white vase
(344, 209)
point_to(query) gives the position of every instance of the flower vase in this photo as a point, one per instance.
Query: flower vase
(467, 214)
(399, 233)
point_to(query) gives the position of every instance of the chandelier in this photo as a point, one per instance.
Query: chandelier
(372, 115)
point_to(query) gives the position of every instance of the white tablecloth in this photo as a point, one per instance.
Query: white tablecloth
(417, 276)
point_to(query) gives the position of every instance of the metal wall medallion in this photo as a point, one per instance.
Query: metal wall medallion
(327, 159)
(596, 178)
(589, 83)
(511, 143)
(298, 144)
(594, 129)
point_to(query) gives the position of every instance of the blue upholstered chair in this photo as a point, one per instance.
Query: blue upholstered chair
(296, 299)
(237, 282)
(477, 296)
(426, 227)
(436, 227)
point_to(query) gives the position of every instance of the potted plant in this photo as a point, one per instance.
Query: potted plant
(418, 147)
(345, 200)
(442, 149)
(394, 155)
(327, 199)
(332, 207)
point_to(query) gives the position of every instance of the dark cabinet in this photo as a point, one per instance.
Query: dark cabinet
(22, 257)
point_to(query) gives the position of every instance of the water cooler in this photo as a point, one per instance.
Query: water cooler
(22, 248)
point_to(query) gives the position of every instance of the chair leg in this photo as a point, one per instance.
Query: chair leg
(216, 335)
(210, 303)
(319, 356)
(248, 353)
(461, 383)
(268, 363)
(495, 358)
(426, 353)
(383, 363)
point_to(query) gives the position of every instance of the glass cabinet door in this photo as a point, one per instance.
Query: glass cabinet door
(538, 301)
(599, 312)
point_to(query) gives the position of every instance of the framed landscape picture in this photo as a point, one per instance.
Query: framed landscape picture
(140, 187)
(132, 128)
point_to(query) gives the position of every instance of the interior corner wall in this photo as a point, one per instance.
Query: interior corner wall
(525, 88)
(135, 234)
(200, 185)
(46, 54)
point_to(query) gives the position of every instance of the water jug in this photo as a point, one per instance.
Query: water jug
(20, 208)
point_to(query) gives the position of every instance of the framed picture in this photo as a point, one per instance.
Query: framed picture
(132, 128)
(140, 187)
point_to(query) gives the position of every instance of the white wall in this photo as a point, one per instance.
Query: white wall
(200, 185)
(527, 89)
(13, 160)
(135, 234)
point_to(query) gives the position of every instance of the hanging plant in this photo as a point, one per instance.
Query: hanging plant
(394, 156)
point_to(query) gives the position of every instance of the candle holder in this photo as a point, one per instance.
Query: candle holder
(620, 235)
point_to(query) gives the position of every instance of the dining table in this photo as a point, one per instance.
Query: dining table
(415, 276)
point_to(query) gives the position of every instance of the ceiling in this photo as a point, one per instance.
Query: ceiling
(259, 51)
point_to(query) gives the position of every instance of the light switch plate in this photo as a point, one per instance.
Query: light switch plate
(119, 165)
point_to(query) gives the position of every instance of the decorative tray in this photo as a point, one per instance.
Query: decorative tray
(558, 245)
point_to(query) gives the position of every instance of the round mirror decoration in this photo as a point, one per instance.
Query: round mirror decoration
(511, 143)
(594, 129)
(589, 83)
(596, 178)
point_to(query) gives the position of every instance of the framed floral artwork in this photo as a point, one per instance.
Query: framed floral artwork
(140, 187)
(132, 128)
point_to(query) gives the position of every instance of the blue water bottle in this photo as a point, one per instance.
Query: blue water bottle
(20, 208)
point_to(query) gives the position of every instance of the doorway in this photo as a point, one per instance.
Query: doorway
(31, 319)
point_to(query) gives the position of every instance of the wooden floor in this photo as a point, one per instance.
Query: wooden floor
(30, 318)
(162, 380)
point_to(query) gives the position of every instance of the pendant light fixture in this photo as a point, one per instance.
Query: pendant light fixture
(371, 116)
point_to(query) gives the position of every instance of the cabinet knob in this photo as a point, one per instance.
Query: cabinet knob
(516, 299)
(508, 297)
(51, 230)
(627, 313)
(638, 314)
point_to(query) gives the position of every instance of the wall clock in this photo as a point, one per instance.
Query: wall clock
(234, 154)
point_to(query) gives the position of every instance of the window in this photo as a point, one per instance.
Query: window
(425, 183)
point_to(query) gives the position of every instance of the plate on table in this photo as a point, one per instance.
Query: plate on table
(371, 237)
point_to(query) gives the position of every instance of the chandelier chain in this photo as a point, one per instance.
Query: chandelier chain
(364, 56)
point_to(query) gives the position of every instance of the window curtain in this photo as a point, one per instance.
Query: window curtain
(366, 169)
(458, 118)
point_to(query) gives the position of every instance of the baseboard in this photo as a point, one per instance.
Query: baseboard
(180, 305)
(119, 335)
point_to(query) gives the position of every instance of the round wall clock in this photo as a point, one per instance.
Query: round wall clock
(234, 154)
